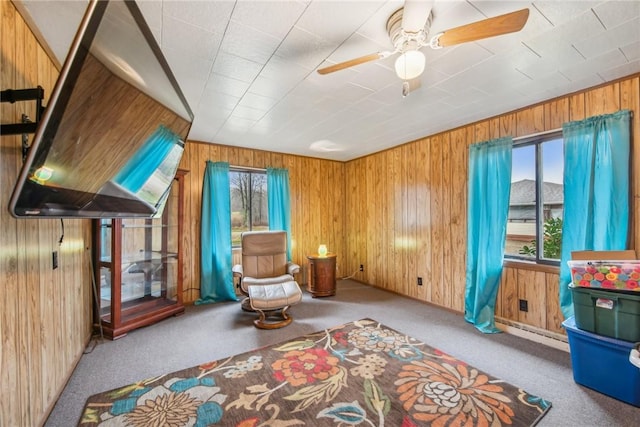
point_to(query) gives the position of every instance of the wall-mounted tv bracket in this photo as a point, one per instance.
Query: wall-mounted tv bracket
(27, 126)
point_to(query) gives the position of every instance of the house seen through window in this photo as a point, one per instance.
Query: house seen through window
(248, 202)
(534, 226)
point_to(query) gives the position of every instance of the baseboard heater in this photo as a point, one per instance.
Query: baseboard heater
(551, 339)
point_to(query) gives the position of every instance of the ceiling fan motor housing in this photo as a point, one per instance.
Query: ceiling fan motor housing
(402, 40)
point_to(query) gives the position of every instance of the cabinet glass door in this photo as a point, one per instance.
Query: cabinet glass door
(105, 269)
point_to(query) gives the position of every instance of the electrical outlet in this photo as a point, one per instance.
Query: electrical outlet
(54, 259)
(524, 305)
(361, 267)
(419, 281)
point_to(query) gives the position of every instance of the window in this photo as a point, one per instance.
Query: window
(248, 202)
(534, 225)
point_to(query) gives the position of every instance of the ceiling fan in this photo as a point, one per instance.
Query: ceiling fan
(408, 29)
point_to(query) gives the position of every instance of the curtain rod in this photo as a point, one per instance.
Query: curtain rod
(248, 168)
(534, 135)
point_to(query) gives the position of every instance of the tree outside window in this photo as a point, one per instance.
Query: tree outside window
(249, 209)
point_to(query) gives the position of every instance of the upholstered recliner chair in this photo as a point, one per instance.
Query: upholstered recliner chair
(267, 278)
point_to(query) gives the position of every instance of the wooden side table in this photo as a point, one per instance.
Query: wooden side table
(321, 277)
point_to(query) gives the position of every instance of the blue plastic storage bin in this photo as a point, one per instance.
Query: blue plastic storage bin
(604, 364)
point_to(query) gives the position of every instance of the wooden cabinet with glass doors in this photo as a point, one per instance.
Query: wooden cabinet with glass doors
(139, 268)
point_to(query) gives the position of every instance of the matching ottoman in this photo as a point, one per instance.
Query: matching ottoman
(274, 299)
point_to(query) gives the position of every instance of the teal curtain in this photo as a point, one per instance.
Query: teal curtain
(279, 204)
(488, 208)
(596, 190)
(216, 277)
(146, 160)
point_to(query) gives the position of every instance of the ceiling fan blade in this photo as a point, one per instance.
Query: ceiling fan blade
(415, 14)
(352, 62)
(498, 25)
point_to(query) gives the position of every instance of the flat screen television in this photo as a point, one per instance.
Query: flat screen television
(114, 128)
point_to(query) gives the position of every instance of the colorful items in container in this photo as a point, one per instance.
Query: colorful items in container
(614, 275)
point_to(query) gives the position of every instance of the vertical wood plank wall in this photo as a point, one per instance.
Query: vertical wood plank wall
(406, 211)
(317, 204)
(45, 314)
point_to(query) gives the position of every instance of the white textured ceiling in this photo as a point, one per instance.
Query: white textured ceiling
(248, 68)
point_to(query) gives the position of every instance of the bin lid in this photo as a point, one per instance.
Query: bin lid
(570, 325)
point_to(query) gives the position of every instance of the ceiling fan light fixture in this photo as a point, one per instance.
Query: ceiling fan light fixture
(410, 64)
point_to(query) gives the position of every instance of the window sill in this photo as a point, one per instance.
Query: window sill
(532, 266)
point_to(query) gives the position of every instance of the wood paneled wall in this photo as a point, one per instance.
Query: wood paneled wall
(317, 204)
(45, 314)
(406, 211)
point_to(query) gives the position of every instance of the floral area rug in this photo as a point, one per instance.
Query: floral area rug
(358, 374)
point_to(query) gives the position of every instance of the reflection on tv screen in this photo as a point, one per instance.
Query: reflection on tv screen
(112, 135)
